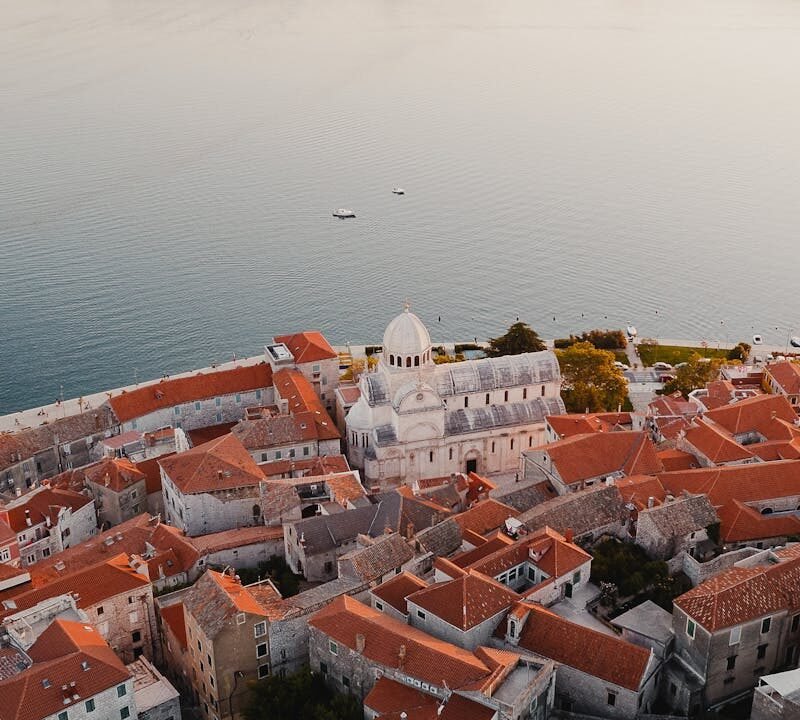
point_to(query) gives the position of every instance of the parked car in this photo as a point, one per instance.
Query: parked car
(680, 365)
(662, 366)
(758, 340)
(622, 365)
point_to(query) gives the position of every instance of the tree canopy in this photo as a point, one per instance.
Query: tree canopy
(590, 380)
(519, 338)
(694, 374)
(301, 696)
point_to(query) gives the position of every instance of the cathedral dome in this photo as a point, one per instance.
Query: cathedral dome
(406, 342)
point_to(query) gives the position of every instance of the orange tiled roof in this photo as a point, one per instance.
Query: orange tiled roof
(749, 483)
(715, 442)
(344, 487)
(58, 656)
(42, 503)
(739, 523)
(465, 601)
(638, 490)
(677, 460)
(787, 375)
(580, 423)
(295, 388)
(758, 413)
(240, 596)
(178, 391)
(672, 405)
(236, 538)
(173, 617)
(426, 658)
(117, 474)
(221, 464)
(395, 590)
(594, 653)
(497, 542)
(389, 698)
(485, 517)
(152, 472)
(591, 455)
(740, 594)
(308, 346)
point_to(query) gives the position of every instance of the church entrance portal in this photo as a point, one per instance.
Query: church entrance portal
(472, 465)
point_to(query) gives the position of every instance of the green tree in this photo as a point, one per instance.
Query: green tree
(300, 696)
(519, 338)
(694, 374)
(590, 380)
(740, 352)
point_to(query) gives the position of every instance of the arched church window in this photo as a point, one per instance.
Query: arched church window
(416, 360)
(408, 361)
(391, 359)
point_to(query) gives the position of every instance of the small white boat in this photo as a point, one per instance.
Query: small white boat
(398, 191)
(795, 342)
(343, 213)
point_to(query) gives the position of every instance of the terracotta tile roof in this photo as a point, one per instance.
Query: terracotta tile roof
(308, 346)
(677, 460)
(485, 517)
(221, 464)
(173, 617)
(131, 537)
(178, 391)
(89, 586)
(236, 538)
(740, 594)
(787, 375)
(344, 487)
(384, 555)
(425, 658)
(325, 465)
(585, 511)
(579, 423)
(395, 590)
(638, 490)
(350, 393)
(198, 436)
(7, 535)
(740, 523)
(592, 455)
(295, 388)
(715, 443)
(672, 406)
(42, 503)
(546, 549)
(465, 601)
(389, 698)
(497, 542)
(670, 427)
(680, 517)
(594, 653)
(58, 655)
(117, 474)
(152, 472)
(777, 450)
(756, 414)
(277, 431)
(459, 707)
(748, 483)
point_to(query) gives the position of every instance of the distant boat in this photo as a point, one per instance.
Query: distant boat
(795, 342)
(398, 191)
(343, 213)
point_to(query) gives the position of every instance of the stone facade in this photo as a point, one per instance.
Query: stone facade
(107, 705)
(113, 507)
(128, 623)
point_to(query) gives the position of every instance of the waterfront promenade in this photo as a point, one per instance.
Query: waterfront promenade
(44, 414)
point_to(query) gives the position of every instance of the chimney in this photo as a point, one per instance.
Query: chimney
(361, 642)
(28, 517)
(401, 656)
(650, 502)
(569, 535)
(219, 474)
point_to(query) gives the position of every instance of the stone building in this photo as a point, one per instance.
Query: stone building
(312, 356)
(669, 530)
(415, 419)
(777, 697)
(154, 695)
(212, 487)
(730, 630)
(390, 596)
(353, 646)
(582, 461)
(783, 378)
(598, 674)
(69, 673)
(119, 490)
(49, 520)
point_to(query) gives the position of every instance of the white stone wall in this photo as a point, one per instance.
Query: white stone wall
(469, 639)
(107, 705)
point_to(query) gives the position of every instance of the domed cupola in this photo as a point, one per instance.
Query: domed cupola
(406, 342)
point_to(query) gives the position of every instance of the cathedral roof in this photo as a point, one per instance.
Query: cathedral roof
(406, 335)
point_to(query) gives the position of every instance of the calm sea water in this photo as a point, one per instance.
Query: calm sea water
(168, 170)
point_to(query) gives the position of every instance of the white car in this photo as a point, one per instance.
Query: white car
(758, 340)
(662, 366)
(622, 365)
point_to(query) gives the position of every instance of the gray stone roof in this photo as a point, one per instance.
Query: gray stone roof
(524, 498)
(478, 419)
(583, 512)
(681, 516)
(313, 599)
(210, 605)
(371, 562)
(648, 620)
(442, 539)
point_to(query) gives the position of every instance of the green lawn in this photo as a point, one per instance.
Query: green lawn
(673, 354)
(621, 356)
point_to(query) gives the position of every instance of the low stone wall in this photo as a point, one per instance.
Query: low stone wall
(698, 572)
